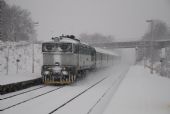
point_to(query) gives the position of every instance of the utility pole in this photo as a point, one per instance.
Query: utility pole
(32, 57)
(33, 53)
(151, 43)
(7, 60)
(136, 54)
(1, 18)
(144, 54)
(2, 6)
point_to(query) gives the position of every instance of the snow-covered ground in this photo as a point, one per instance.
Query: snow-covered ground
(41, 103)
(141, 93)
(9, 79)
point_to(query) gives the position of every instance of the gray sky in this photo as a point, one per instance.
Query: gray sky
(124, 19)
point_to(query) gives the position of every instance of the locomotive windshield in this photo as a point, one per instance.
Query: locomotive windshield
(57, 47)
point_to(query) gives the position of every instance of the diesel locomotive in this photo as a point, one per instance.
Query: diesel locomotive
(66, 58)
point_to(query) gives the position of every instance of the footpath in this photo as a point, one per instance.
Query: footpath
(141, 93)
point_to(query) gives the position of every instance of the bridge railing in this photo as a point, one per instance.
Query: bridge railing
(134, 44)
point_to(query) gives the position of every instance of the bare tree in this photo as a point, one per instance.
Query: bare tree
(159, 32)
(2, 5)
(17, 24)
(95, 38)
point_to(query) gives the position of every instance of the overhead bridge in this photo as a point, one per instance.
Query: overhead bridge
(134, 44)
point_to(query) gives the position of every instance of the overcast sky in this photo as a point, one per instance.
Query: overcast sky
(124, 19)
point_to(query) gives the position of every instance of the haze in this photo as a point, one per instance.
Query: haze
(124, 19)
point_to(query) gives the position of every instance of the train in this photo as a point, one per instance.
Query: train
(66, 58)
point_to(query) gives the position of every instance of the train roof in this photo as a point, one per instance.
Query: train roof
(64, 40)
(68, 40)
(100, 50)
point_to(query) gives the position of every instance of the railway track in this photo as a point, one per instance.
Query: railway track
(26, 100)
(20, 93)
(16, 86)
(37, 96)
(113, 87)
(65, 103)
(65, 97)
(110, 89)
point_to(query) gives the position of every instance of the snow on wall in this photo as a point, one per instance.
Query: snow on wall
(10, 53)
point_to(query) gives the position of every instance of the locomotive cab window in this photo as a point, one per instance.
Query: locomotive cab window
(48, 47)
(57, 47)
(65, 47)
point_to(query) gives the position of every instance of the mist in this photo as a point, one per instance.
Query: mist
(126, 20)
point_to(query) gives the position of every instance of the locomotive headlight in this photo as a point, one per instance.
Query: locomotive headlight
(64, 72)
(46, 72)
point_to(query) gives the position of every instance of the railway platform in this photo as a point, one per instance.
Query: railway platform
(141, 93)
(14, 82)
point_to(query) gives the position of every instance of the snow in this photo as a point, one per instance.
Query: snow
(94, 100)
(106, 51)
(9, 102)
(48, 102)
(69, 40)
(12, 71)
(141, 93)
(13, 78)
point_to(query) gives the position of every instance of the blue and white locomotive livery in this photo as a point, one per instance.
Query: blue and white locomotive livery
(65, 59)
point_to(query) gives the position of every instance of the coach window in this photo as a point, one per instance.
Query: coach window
(93, 55)
(86, 50)
(76, 48)
(83, 50)
(80, 49)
